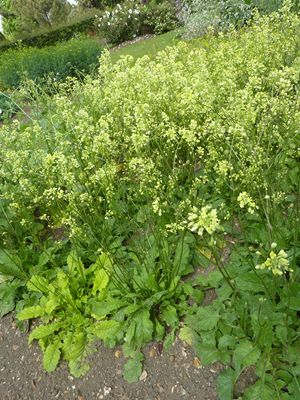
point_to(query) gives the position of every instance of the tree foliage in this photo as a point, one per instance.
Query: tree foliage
(21, 16)
(90, 3)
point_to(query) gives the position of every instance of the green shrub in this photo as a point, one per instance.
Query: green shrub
(50, 37)
(61, 60)
(201, 15)
(159, 17)
(267, 6)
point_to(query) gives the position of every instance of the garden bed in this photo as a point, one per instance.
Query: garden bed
(168, 376)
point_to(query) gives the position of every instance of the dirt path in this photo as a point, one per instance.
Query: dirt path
(173, 376)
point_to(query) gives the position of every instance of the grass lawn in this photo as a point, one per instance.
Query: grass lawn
(148, 46)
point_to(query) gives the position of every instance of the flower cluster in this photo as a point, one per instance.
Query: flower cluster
(246, 201)
(205, 219)
(278, 263)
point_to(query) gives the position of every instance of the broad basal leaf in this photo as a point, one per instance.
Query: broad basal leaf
(133, 368)
(103, 330)
(101, 309)
(101, 281)
(225, 384)
(104, 262)
(169, 315)
(186, 334)
(78, 368)
(294, 303)
(44, 330)
(208, 353)
(31, 312)
(169, 339)
(206, 319)
(11, 265)
(260, 391)
(52, 303)
(38, 284)
(144, 328)
(75, 264)
(7, 297)
(52, 356)
(249, 282)
(245, 354)
(226, 341)
(181, 259)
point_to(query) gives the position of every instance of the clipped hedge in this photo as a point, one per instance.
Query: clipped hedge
(51, 37)
(61, 60)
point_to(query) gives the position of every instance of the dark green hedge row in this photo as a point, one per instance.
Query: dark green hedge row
(64, 59)
(51, 37)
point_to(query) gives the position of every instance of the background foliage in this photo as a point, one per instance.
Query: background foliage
(60, 61)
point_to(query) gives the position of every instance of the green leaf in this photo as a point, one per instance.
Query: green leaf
(5, 278)
(76, 350)
(100, 282)
(169, 315)
(78, 369)
(104, 262)
(226, 341)
(44, 330)
(294, 303)
(250, 282)
(169, 340)
(103, 330)
(245, 354)
(225, 384)
(197, 295)
(294, 388)
(74, 263)
(130, 334)
(181, 259)
(52, 356)
(159, 330)
(38, 284)
(133, 368)
(265, 335)
(11, 265)
(45, 257)
(8, 293)
(30, 312)
(206, 319)
(52, 303)
(100, 309)
(211, 280)
(208, 353)
(144, 328)
(260, 391)
(186, 334)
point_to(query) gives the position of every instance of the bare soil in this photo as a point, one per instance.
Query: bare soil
(175, 375)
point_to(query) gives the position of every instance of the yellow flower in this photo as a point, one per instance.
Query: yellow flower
(202, 220)
(277, 263)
